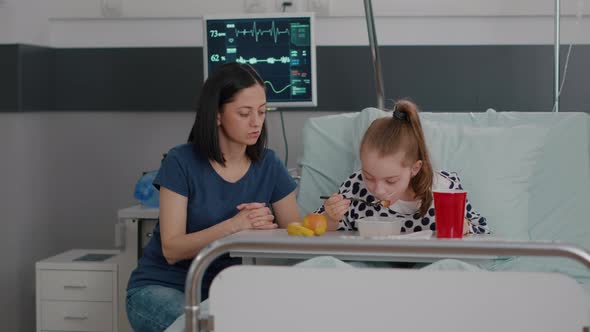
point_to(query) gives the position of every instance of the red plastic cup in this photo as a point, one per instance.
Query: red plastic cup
(449, 211)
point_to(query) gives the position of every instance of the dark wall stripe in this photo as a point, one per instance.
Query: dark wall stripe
(9, 79)
(151, 79)
(439, 78)
(37, 78)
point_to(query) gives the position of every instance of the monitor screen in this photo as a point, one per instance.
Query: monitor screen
(280, 47)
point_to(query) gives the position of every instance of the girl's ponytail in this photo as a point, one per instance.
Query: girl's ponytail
(403, 131)
(406, 111)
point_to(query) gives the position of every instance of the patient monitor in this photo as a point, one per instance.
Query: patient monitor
(281, 47)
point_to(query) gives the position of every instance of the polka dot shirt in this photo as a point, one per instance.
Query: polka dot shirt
(406, 211)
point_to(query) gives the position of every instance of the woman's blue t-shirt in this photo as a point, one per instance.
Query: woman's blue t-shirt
(211, 200)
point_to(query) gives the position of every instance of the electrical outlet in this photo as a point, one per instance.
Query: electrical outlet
(296, 6)
(255, 6)
(319, 7)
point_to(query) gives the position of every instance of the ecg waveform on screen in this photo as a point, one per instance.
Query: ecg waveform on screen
(275, 90)
(255, 32)
(270, 60)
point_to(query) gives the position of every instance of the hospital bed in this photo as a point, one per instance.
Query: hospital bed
(527, 172)
(254, 298)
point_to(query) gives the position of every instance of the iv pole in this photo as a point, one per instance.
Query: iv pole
(375, 54)
(377, 62)
(556, 57)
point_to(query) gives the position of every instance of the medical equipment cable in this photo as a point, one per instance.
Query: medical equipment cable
(285, 139)
(579, 15)
(284, 5)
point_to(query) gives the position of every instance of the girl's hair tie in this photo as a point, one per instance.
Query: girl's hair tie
(403, 116)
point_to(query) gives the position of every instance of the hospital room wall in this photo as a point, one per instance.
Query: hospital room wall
(64, 173)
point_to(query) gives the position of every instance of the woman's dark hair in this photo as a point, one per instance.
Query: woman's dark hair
(403, 132)
(220, 88)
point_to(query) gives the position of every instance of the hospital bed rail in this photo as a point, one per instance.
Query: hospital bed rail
(343, 246)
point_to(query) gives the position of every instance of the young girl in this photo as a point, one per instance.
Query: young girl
(223, 181)
(396, 170)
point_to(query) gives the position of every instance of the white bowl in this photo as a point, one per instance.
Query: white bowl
(378, 226)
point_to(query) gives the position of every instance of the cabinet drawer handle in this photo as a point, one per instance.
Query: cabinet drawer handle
(74, 286)
(75, 317)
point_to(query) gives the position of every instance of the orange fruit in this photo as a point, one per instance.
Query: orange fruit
(316, 222)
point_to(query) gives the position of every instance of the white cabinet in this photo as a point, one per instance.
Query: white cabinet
(77, 291)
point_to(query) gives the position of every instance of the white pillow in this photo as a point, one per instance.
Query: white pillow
(561, 186)
(495, 165)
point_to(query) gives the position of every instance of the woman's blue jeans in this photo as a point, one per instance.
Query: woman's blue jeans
(153, 308)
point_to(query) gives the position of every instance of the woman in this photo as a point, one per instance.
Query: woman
(224, 180)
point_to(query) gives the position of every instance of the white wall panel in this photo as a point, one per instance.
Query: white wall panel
(31, 24)
(337, 8)
(127, 33)
(7, 23)
(330, 31)
(75, 8)
(156, 23)
(349, 8)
